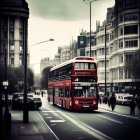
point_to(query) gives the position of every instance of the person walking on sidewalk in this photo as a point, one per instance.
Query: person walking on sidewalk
(138, 103)
(113, 101)
(132, 107)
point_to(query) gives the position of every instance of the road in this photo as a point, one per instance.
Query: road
(101, 124)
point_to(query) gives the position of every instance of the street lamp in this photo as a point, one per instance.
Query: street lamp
(38, 70)
(89, 4)
(105, 59)
(51, 39)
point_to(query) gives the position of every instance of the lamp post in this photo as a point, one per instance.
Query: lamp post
(51, 39)
(25, 109)
(105, 59)
(89, 2)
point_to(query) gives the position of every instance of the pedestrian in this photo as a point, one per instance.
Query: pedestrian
(132, 107)
(138, 103)
(112, 101)
(108, 101)
(42, 93)
(100, 99)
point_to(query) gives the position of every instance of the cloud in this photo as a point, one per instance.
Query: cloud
(65, 9)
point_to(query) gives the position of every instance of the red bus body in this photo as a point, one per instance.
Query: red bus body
(73, 84)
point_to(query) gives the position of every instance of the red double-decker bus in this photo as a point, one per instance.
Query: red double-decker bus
(73, 84)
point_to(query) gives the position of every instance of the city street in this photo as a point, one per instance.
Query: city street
(102, 124)
(60, 59)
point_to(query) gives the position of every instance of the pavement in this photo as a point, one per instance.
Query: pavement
(36, 129)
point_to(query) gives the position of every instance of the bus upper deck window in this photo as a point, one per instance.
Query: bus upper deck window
(92, 66)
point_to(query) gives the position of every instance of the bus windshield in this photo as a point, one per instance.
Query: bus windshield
(85, 92)
(85, 65)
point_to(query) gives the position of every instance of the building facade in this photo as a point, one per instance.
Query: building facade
(13, 31)
(122, 43)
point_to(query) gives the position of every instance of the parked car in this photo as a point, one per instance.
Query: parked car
(20, 103)
(123, 98)
(15, 100)
(33, 101)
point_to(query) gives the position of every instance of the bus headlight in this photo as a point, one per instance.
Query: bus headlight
(70, 103)
(94, 102)
(76, 102)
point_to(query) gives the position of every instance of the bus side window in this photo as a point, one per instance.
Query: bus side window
(67, 92)
(61, 92)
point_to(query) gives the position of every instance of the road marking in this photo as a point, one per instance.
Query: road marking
(56, 121)
(48, 117)
(113, 120)
(51, 111)
(48, 126)
(46, 114)
(87, 128)
(99, 135)
(54, 112)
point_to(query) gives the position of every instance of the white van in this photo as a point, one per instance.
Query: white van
(123, 98)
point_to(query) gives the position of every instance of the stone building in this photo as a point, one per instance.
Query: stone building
(13, 31)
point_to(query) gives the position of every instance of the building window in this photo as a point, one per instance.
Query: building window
(131, 43)
(130, 16)
(21, 48)
(20, 61)
(120, 58)
(21, 35)
(121, 31)
(11, 34)
(120, 73)
(12, 61)
(120, 44)
(121, 18)
(128, 58)
(101, 51)
(12, 47)
(131, 29)
(127, 74)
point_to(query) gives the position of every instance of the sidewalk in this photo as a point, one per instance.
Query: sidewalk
(120, 109)
(36, 129)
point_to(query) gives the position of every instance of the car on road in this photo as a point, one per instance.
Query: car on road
(37, 103)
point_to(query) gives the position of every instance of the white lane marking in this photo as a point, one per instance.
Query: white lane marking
(113, 120)
(52, 124)
(88, 129)
(54, 112)
(99, 135)
(50, 110)
(48, 117)
(48, 126)
(46, 114)
(56, 121)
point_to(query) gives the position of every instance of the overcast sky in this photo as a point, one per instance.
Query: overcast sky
(61, 20)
